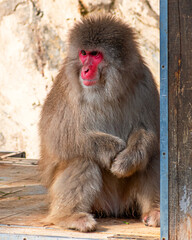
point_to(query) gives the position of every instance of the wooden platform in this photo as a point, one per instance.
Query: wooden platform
(23, 205)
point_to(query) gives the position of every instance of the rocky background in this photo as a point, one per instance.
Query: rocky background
(32, 46)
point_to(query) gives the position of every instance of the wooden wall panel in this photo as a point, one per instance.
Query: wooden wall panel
(180, 118)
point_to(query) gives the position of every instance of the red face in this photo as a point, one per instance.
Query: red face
(89, 71)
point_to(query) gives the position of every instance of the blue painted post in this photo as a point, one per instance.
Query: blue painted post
(164, 118)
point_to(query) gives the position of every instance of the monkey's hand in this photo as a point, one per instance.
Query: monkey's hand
(104, 147)
(142, 145)
(129, 161)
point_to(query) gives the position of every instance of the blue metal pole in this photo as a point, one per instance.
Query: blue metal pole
(164, 118)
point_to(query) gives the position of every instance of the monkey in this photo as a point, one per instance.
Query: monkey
(99, 129)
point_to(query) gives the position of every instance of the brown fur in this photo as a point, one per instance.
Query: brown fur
(100, 145)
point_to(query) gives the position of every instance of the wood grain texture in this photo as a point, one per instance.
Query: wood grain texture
(180, 119)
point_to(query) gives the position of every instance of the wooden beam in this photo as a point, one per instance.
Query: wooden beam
(180, 119)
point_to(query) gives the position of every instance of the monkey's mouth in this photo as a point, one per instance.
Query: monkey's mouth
(88, 76)
(89, 82)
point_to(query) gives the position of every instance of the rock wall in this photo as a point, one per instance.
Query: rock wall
(32, 47)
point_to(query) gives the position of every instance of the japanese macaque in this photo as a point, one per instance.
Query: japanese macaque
(99, 129)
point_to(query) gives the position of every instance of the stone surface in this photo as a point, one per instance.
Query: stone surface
(32, 45)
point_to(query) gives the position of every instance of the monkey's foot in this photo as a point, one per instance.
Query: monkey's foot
(152, 219)
(82, 222)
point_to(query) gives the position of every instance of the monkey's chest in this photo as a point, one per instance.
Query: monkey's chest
(111, 123)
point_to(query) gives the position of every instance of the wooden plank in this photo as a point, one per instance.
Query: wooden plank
(45, 237)
(107, 229)
(23, 205)
(4, 154)
(180, 119)
(19, 161)
(174, 55)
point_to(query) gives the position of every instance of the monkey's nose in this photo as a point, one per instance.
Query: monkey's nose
(86, 70)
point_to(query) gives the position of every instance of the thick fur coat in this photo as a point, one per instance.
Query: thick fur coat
(100, 144)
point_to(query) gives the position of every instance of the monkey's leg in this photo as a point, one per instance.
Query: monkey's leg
(149, 197)
(146, 188)
(151, 194)
(72, 195)
(141, 147)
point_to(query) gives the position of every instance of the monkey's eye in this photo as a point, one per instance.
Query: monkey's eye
(94, 53)
(83, 52)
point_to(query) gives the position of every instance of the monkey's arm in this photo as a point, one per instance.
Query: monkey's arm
(102, 147)
(142, 145)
